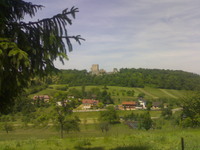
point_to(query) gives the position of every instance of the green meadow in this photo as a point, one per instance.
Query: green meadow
(90, 137)
(120, 93)
(119, 137)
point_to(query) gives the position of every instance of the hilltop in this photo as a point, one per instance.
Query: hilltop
(155, 78)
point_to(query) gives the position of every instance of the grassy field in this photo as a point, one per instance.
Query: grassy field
(119, 137)
(90, 137)
(119, 94)
(92, 117)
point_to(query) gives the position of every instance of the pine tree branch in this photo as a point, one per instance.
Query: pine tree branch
(62, 15)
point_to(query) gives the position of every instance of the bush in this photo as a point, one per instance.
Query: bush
(7, 127)
(62, 88)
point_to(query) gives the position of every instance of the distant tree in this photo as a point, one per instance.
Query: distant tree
(29, 49)
(191, 111)
(131, 117)
(75, 92)
(145, 121)
(40, 118)
(7, 126)
(130, 93)
(62, 113)
(166, 112)
(155, 78)
(149, 105)
(105, 87)
(105, 98)
(71, 124)
(141, 95)
(24, 105)
(110, 115)
(100, 105)
(83, 92)
(104, 126)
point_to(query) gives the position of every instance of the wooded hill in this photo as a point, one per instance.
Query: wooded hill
(164, 79)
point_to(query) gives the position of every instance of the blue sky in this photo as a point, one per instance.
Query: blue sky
(162, 34)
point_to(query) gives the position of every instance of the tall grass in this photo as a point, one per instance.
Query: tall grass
(119, 137)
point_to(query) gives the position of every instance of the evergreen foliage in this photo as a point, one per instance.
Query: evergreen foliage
(29, 49)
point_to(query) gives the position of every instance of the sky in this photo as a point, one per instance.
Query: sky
(153, 34)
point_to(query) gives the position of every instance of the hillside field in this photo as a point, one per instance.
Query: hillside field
(119, 94)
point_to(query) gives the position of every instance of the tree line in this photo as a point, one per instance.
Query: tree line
(158, 78)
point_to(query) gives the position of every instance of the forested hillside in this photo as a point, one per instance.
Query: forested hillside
(166, 79)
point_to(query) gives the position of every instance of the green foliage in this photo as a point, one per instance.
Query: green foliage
(62, 113)
(62, 88)
(105, 98)
(7, 126)
(141, 121)
(75, 92)
(14, 64)
(110, 116)
(100, 105)
(131, 117)
(130, 93)
(127, 139)
(149, 105)
(141, 95)
(29, 49)
(41, 118)
(6, 123)
(104, 126)
(166, 113)
(82, 142)
(24, 105)
(165, 79)
(191, 111)
(145, 121)
(71, 124)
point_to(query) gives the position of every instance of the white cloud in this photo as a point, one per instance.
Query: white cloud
(140, 33)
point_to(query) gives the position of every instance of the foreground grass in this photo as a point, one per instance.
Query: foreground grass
(119, 137)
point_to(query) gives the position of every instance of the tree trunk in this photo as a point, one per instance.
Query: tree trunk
(61, 130)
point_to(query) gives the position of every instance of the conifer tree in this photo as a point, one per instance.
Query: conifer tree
(29, 49)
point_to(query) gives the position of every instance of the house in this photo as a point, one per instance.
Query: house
(129, 105)
(89, 103)
(141, 103)
(156, 105)
(63, 103)
(44, 98)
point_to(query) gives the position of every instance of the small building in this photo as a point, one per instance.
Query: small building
(142, 103)
(129, 105)
(157, 105)
(89, 103)
(63, 103)
(44, 98)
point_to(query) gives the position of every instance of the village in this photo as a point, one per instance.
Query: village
(92, 104)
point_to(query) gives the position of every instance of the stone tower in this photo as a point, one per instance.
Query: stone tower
(95, 69)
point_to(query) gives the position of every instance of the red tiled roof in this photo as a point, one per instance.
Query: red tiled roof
(129, 103)
(90, 101)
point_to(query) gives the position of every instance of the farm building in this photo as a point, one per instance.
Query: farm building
(44, 98)
(130, 105)
(89, 103)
